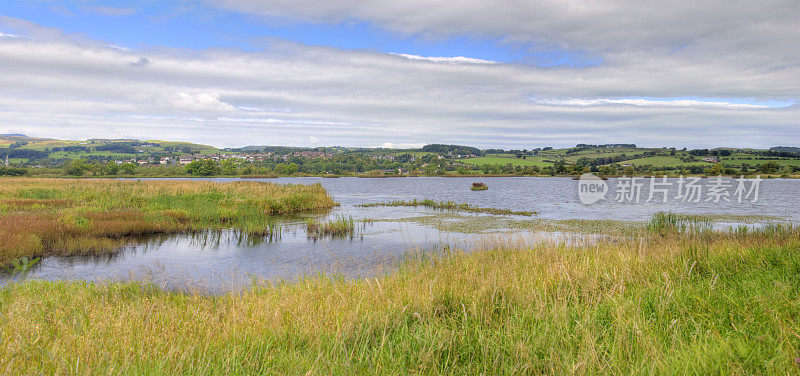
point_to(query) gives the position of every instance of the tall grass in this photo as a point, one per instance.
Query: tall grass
(670, 223)
(42, 217)
(726, 304)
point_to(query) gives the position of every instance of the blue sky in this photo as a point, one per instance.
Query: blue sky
(195, 25)
(511, 73)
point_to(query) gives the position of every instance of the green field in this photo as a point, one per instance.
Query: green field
(498, 160)
(146, 150)
(663, 161)
(752, 161)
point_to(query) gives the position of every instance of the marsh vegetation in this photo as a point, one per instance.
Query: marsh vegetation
(44, 217)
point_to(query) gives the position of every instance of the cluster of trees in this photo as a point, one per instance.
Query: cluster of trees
(29, 154)
(715, 152)
(180, 149)
(80, 167)
(786, 152)
(73, 148)
(209, 167)
(451, 149)
(12, 171)
(585, 161)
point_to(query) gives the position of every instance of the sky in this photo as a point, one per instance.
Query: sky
(388, 73)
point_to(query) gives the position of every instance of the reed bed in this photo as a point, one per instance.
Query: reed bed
(341, 226)
(44, 217)
(450, 205)
(720, 303)
(665, 223)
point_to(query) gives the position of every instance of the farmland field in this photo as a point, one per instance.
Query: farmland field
(497, 160)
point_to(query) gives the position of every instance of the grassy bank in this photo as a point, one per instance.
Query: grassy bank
(671, 303)
(44, 217)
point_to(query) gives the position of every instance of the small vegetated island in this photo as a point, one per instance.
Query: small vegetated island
(478, 187)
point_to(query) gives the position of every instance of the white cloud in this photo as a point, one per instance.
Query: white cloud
(199, 102)
(400, 145)
(746, 28)
(650, 103)
(456, 59)
(57, 86)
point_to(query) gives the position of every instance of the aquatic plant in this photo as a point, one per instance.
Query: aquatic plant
(450, 205)
(341, 226)
(23, 265)
(671, 223)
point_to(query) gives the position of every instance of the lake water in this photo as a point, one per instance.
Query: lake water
(222, 261)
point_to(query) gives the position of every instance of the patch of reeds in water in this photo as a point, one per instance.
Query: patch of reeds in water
(341, 226)
(450, 205)
(671, 223)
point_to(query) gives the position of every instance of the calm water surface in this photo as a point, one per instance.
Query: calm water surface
(222, 261)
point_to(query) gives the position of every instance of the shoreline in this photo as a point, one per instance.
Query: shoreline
(246, 177)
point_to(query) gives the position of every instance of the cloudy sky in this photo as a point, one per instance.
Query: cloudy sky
(505, 73)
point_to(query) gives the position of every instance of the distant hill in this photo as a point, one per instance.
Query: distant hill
(13, 135)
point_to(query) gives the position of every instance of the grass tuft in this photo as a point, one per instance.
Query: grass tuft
(341, 226)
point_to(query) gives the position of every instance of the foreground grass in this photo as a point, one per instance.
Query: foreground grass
(42, 217)
(672, 304)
